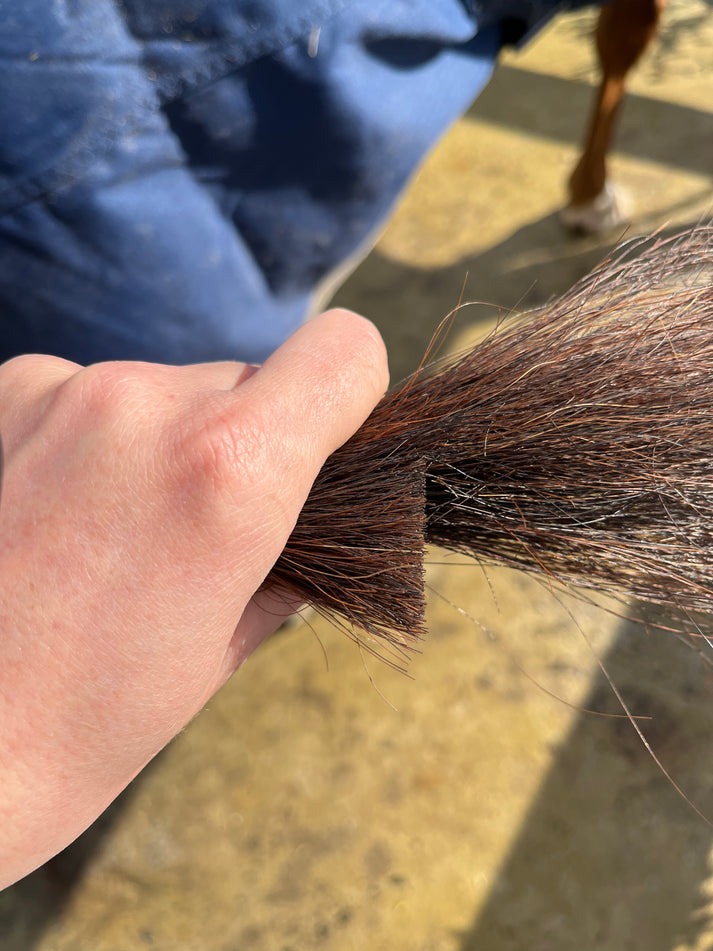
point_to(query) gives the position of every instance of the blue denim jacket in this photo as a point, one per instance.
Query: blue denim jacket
(178, 176)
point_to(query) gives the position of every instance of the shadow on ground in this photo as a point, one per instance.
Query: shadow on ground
(535, 263)
(653, 130)
(591, 869)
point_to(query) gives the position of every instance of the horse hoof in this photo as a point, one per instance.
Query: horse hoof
(611, 209)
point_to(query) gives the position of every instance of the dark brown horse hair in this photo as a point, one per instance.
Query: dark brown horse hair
(576, 442)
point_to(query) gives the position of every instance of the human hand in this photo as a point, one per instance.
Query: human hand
(142, 508)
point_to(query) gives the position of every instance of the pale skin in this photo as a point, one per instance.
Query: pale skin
(142, 508)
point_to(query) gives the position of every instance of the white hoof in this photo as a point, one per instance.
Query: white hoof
(611, 209)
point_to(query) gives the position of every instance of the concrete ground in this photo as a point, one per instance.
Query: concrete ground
(323, 801)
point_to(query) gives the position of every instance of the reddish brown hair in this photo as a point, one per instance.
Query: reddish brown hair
(576, 442)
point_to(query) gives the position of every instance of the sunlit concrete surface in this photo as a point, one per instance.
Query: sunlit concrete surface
(323, 801)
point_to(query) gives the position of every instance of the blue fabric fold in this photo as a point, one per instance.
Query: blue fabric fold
(177, 177)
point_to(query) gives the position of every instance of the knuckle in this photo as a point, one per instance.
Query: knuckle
(229, 469)
(17, 368)
(57, 393)
(102, 389)
(31, 371)
(106, 393)
(221, 452)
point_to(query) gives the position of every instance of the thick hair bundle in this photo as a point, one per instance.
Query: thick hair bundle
(575, 442)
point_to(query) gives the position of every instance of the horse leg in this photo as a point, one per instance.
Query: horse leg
(624, 30)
